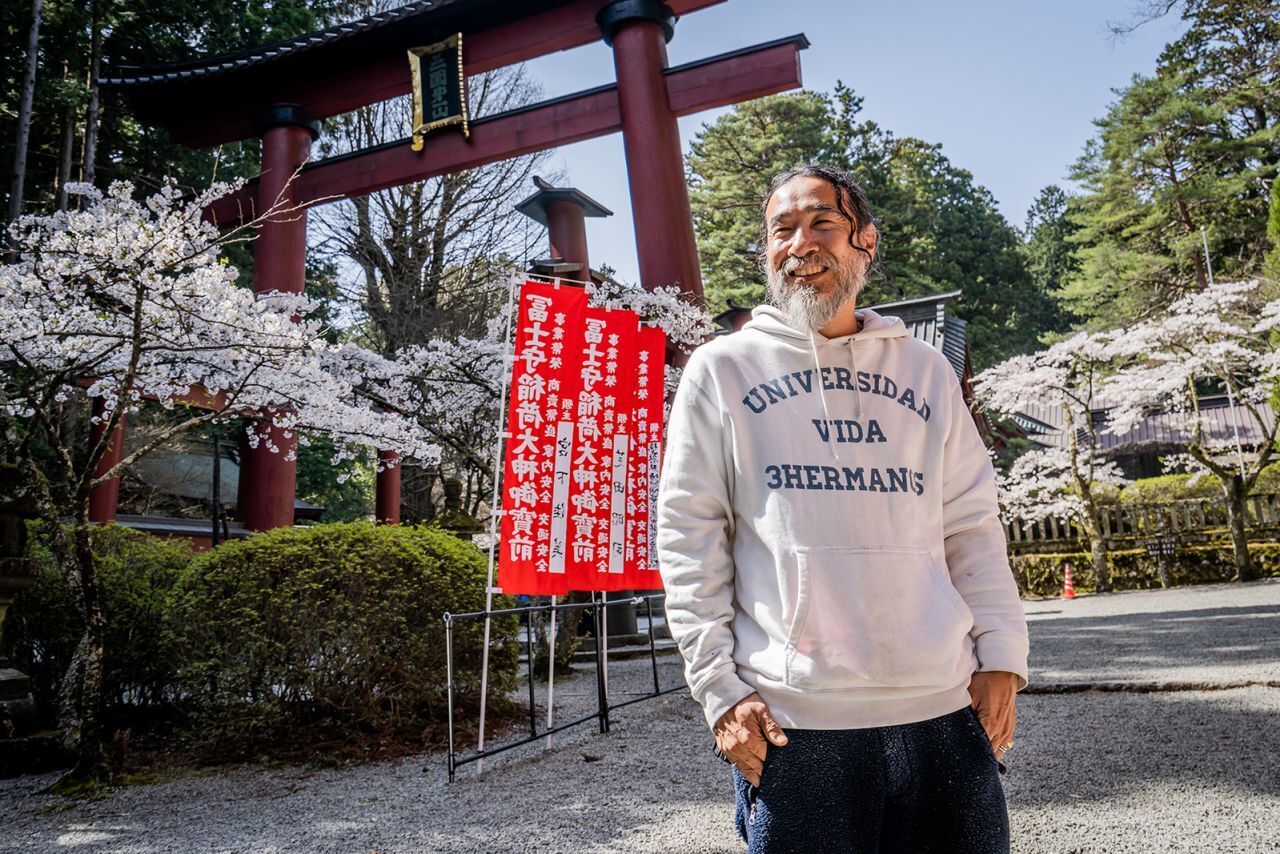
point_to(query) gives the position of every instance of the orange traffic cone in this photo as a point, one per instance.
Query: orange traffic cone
(1068, 588)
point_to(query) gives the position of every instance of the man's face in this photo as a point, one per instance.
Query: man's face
(813, 272)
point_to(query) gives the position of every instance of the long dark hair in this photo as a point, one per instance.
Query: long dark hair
(851, 199)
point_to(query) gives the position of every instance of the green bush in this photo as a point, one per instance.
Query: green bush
(1174, 487)
(1268, 480)
(138, 573)
(334, 631)
(1135, 569)
(1170, 487)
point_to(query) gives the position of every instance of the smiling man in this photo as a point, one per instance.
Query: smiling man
(835, 569)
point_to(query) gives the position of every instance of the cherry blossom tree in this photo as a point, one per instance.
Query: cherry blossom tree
(1215, 341)
(1043, 484)
(460, 408)
(128, 299)
(1058, 481)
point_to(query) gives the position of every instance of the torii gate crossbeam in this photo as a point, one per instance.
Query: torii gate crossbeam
(279, 92)
(702, 85)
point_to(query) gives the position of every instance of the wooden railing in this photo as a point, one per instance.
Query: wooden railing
(1135, 521)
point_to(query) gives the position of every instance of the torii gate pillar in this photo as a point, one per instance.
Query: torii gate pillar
(638, 31)
(104, 498)
(267, 477)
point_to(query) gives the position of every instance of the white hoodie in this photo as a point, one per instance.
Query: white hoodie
(827, 529)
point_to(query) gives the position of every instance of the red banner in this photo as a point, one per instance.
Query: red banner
(536, 476)
(583, 447)
(597, 500)
(645, 463)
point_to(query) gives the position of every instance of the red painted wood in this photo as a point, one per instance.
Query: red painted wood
(267, 488)
(567, 230)
(325, 90)
(387, 494)
(719, 83)
(197, 396)
(665, 244)
(596, 113)
(104, 499)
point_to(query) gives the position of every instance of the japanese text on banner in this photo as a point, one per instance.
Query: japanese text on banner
(536, 479)
(597, 536)
(645, 460)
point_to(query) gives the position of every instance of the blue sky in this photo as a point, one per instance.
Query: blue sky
(1009, 88)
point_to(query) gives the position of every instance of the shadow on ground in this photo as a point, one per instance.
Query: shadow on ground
(1226, 643)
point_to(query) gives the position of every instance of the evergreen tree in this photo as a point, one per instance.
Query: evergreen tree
(1050, 254)
(1192, 147)
(939, 230)
(730, 163)
(1272, 268)
(132, 33)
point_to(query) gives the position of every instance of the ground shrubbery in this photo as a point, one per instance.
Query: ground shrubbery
(282, 640)
(335, 631)
(138, 573)
(1178, 487)
(1135, 569)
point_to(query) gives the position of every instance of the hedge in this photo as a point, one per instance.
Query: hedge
(138, 573)
(333, 631)
(1135, 569)
(1177, 487)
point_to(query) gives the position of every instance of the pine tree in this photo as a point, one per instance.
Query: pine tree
(940, 231)
(1272, 267)
(1049, 253)
(1194, 146)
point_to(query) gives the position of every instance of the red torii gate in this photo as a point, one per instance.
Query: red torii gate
(281, 92)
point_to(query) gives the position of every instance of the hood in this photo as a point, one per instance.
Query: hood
(772, 321)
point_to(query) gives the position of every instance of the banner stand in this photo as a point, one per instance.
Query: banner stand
(604, 639)
(551, 672)
(494, 512)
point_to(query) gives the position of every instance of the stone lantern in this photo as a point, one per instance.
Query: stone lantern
(453, 518)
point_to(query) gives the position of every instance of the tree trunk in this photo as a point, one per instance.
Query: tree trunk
(68, 146)
(1097, 552)
(1098, 558)
(81, 701)
(24, 114)
(1236, 522)
(1162, 564)
(91, 113)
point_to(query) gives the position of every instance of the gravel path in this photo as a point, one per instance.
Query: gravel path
(1212, 633)
(1092, 772)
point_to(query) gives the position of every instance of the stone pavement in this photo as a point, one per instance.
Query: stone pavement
(1095, 771)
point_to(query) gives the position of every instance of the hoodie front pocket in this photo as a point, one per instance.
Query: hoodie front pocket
(874, 616)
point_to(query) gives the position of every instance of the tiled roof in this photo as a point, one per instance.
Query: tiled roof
(926, 319)
(214, 65)
(1157, 428)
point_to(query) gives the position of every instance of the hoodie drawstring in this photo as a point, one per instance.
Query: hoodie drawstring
(857, 395)
(817, 378)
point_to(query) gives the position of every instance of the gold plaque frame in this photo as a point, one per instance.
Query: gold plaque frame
(421, 128)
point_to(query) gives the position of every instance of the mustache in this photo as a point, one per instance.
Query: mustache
(790, 264)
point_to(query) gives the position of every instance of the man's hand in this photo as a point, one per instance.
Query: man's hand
(743, 734)
(992, 694)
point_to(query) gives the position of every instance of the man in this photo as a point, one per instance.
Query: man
(835, 570)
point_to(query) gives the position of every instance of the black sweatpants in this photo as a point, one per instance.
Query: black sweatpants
(931, 786)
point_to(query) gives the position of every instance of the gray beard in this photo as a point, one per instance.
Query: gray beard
(804, 304)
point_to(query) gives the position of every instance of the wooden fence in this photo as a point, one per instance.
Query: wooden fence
(1136, 521)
